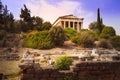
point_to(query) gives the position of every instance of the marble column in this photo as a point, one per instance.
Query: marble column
(78, 27)
(68, 24)
(81, 25)
(64, 24)
(73, 25)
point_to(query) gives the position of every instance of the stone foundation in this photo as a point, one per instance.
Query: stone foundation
(79, 71)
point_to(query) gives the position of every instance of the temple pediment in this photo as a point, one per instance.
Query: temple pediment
(68, 16)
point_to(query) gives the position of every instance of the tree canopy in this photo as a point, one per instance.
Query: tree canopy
(107, 32)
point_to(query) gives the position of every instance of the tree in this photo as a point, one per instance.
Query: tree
(1, 13)
(11, 22)
(5, 17)
(26, 17)
(58, 35)
(93, 26)
(115, 40)
(107, 32)
(99, 21)
(46, 26)
(37, 22)
(25, 14)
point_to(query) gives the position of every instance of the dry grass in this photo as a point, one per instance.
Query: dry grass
(9, 67)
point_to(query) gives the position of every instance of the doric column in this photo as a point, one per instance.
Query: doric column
(64, 24)
(69, 24)
(73, 25)
(81, 25)
(78, 27)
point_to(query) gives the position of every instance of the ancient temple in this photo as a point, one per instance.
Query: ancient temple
(69, 21)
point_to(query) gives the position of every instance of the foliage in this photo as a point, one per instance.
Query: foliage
(2, 34)
(39, 40)
(46, 26)
(93, 25)
(70, 33)
(107, 32)
(2, 38)
(103, 43)
(85, 39)
(6, 18)
(97, 26)
(115, 40)
(63, 63)
(26, 19)
(25, 14)
(58, 35)
(37, 22)
(11, 23)
(68, 78)
(22, 35)
(99, 21)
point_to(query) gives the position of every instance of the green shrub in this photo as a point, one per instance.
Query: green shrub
(39, 40)
(70, 33)
(58, 35)
(63, 63)
(107, 32)
(2, 34)
(115, 41)
(68, 78)
(22, 35)
(85, 39)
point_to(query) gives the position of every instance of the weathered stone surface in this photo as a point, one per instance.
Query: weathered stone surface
(80, 71)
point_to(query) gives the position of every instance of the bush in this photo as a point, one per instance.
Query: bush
(70, 33)
(85, 39)
(115, 41)
(22, 35)
(2, 34)
(103, 43)
(107, 32)
(46, 26)
(39, 40)
(63, 63)
(68, 78)
(58, 35)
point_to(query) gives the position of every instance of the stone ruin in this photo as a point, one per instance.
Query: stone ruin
(85, 67)
(78, 56)
(80, 71)
(9, 54)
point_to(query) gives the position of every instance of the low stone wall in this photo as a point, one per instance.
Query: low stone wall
(80, 71)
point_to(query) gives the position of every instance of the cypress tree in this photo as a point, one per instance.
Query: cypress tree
(98, 15)
(99, 21)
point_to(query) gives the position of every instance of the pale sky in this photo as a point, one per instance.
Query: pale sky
(50, 10)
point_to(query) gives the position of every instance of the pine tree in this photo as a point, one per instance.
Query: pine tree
(11, 21)
(25, 14)
(26, 18)
(5, 17)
